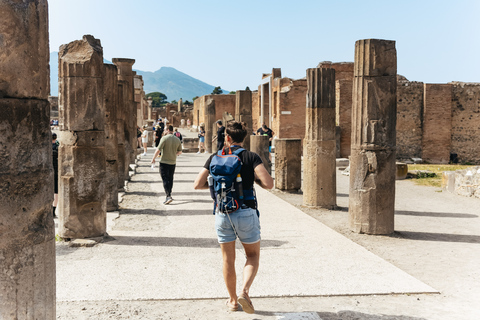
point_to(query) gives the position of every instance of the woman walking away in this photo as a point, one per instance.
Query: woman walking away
(145, 139)
(201, 139)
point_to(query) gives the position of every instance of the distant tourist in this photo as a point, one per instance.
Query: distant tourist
(266, 131)
(139, 136)
(178, 135)
(158, 134)
(201, 139)
(169, 148)
(145, 139)
(220, 137)
(55, 145)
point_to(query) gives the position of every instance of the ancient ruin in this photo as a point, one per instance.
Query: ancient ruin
(243, 112)
(259, 145)
(82, 161)
(372, 162)
(27, 238)
(288, 164)
(210, 126)
(319, 146)
(111, 136)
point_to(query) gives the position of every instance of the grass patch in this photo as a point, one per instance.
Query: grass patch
(423, 179)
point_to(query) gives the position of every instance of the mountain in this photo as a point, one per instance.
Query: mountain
(169, 81)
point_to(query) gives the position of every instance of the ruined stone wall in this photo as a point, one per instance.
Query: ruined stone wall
(437, 123)
(409, 119)
(223, 103)
(466, 121)
(288, 112)
(53, 107)
(343, 70)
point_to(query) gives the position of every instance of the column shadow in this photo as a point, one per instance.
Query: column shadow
(436, 214)
(444, 237)
(341, 315)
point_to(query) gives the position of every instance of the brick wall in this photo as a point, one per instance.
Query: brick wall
(466, 121)
(255, 110)
(437, 123)
(409, 119)
(289, 104)
(223, 103)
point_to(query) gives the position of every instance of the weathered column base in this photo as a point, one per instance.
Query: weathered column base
(319, 179)
(259, 145)
(288, 164)
(372, 192)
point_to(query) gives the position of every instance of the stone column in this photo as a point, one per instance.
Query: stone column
(126, 75)
(180, 105)
(150, 133)
(111, 139)
(27, 237)
(150, 101)
(319, 146)
(122, 141)
(259, 145)
(243, 112)
(288, 164)
(372, 160)
(209, 123)
(82, 197)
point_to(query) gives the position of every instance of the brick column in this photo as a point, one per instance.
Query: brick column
(27, 238)
(372, 160)
(243, 112)
(111, 139)
(259, 145)
(288, 164)
(82, 163)
(319, 146)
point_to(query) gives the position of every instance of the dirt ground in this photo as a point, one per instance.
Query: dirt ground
(437, 241)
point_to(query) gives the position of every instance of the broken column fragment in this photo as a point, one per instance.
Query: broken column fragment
(259, 145)
(111, 139)
(319, 145)
(27, 237)
(372, 160)
(288, 164)
(82, 198)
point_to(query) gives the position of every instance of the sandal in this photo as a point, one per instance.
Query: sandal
(246, 303)
(231, 307)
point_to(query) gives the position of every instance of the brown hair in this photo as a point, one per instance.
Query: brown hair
(237, 131)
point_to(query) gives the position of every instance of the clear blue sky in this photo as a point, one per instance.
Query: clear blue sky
(231, 43)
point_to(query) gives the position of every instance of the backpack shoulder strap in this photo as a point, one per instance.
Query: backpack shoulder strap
(238, 151)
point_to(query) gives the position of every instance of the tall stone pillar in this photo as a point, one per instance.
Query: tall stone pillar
(27, 237)
(126, 75)
(150, 101)
(111, 139)
(243, 112)
(319, 146)
(259, 145)
(209, 123)
(82, 197)
(180, 105)
(122, 141)
(150, 133)
(372, 160)
(288, 164)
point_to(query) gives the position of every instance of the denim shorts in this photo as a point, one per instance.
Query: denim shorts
(246, 224)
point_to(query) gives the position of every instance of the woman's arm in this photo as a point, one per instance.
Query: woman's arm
(262, 177)
(201, 180)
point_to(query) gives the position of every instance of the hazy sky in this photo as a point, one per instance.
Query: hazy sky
(231, 43)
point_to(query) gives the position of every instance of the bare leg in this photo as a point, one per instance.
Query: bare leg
(251, 265)
(229, 275)
(145, 147)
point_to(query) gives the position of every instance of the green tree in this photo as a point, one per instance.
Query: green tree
(194, 98)
(158, 99)
(174, 101)
(247, 88)
(187, 103)
(217, 90)
(232, 92)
